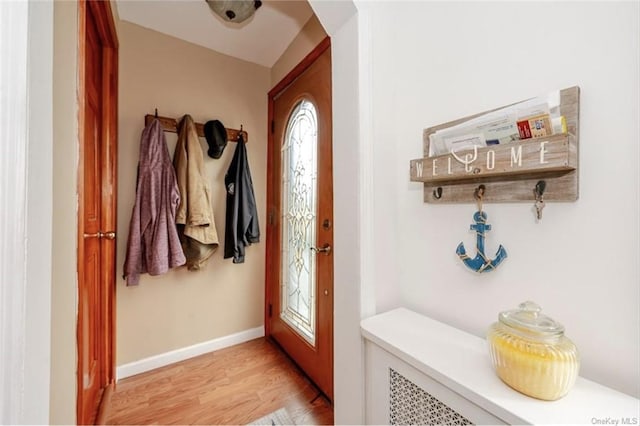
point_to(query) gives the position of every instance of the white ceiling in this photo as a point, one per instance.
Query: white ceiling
(261, 39)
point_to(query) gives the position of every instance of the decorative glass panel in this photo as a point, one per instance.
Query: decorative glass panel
(299, 207)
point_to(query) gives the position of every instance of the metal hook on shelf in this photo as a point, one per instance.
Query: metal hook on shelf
(437, 193)
(538, 190)
(478, 194)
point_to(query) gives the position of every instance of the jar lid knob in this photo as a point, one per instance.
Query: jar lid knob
(530, 319)
(532, 308)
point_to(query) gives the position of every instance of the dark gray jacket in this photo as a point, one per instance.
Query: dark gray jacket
(242, 227)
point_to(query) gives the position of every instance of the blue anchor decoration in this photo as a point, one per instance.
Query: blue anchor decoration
(480, 263)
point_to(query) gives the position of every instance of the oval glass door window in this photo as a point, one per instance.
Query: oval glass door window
(299, 212)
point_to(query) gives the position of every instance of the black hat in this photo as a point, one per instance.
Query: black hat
(216, 136)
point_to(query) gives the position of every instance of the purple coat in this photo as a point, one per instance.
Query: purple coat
(153, 245)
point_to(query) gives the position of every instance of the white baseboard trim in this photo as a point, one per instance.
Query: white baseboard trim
(160, 360)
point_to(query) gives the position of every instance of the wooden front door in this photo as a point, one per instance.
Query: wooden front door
(299, 301)
(97, 62)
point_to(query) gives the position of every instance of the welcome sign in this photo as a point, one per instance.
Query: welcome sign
(545, 154)
(509, 169)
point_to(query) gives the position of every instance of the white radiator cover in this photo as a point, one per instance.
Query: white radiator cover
(409, 404)
(421, 371)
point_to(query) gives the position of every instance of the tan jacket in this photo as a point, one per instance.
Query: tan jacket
(194, 217)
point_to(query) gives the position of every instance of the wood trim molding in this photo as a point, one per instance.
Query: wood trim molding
(300, 68)
(82, 25)
(102, 13)
(109, 199)
(106, 23)
(105, 404)
(273, 180)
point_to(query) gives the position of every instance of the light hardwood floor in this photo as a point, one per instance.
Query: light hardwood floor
(231, 386)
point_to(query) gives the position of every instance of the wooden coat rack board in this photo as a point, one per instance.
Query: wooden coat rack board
(171, 125)
(553, 159)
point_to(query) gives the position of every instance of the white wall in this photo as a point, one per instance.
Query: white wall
(25, 210)
(352, 297)
(64, 286)
(581, 264)
(14, 33)
(348, 350)
(39, 219)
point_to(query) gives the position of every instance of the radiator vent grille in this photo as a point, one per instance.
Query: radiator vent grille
(411, 405)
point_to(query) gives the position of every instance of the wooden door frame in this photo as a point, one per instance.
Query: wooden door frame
(101, 10)
(272, 179)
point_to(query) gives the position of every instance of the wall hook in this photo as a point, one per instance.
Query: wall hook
(538, 192)
(478, 193)
(437, 193)
(539, 188)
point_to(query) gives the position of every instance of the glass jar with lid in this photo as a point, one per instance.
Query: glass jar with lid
(530, 353)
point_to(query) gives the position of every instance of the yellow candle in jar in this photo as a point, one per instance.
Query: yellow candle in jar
(543, 367)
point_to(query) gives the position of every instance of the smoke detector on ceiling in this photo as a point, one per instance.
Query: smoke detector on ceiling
(234, 10)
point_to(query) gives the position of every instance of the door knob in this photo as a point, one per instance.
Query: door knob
(108, 235)
(326, 249)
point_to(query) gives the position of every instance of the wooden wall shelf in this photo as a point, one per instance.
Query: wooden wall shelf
(171, 125)
(510, 171)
